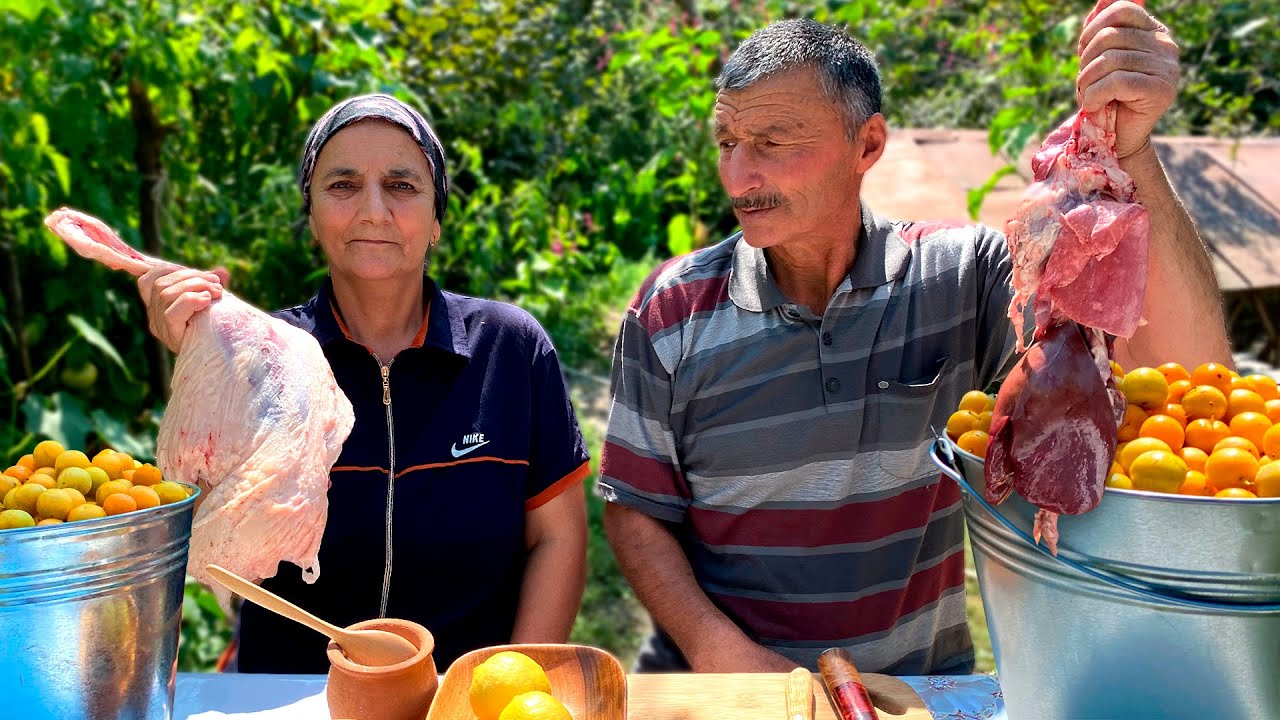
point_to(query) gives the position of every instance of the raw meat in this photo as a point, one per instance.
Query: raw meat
(1079, 246)
(1079, 241)
(1052, 427)
(256, 420)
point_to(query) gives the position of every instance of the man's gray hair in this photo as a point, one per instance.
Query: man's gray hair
(846, 69)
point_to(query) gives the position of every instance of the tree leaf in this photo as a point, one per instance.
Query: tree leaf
(1249, 27)
(61, 167)
(41, 127)
(96, 339)
(680, 235)
(28, 9)
(60, 417)
(140, 446)
(979, 194)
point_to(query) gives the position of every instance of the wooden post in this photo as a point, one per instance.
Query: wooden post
(149, 134)
(1271, 350)
(13, 302)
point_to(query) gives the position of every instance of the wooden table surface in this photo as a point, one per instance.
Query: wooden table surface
(688, 696)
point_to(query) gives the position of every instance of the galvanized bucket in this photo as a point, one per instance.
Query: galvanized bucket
(90, 613)
(1157, 606)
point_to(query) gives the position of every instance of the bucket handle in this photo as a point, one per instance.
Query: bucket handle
(944, 459)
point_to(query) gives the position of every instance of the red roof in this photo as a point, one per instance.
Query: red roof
(1231, 188)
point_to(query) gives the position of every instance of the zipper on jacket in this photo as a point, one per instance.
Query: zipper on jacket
(391, 476)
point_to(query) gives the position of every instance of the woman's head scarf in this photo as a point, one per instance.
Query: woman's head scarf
(382, 107)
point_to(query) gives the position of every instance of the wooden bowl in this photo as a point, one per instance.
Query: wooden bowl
(589, 682)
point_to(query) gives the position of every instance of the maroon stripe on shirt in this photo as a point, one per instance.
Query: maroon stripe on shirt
(641, 473)
(853, 523)
(851, 619)
(645, 287)
(673, 305)
(913, 232)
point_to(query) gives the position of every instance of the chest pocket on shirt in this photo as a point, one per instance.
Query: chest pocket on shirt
(905, 418)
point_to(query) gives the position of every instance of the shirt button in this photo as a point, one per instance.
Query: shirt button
(826, 338)
(833, 385)
(883, 384)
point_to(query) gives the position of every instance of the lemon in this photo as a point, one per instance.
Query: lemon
(1120, 480)
(496, 681)
(97, 478)
(7, 483)
(1139, 446)
(961, 422)
(77, 497)
(70, 458)
(535, 705)
(87, 511)
(974, 442)
(76, 477)
(169, 492)
(110, 488)
(110, 462)
(1267, 481)
(46, 453)
(1145, 387)
(10, 519)
(1158, 471)
(43, 480)
(976, 401)
(25, 497)
(54, 504)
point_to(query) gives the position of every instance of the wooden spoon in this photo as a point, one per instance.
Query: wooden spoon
(800, 697)
(374, 648)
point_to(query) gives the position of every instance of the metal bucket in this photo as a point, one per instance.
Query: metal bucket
(1157, 606)
(90, 613)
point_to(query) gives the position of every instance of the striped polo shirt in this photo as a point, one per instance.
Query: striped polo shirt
(790, 451)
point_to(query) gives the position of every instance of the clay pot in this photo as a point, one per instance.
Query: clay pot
(395, 692)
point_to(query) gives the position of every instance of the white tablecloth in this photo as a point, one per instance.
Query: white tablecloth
(228, 696)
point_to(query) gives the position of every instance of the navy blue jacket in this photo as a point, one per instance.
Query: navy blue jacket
(472, 429)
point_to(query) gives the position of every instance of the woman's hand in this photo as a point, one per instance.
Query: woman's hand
(173, 294)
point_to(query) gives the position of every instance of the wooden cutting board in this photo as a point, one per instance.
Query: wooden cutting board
(762, 696)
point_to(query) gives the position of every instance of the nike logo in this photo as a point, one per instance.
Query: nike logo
(457, 453)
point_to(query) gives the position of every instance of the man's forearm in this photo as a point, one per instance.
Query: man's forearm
(1183, 307)
(655, 565)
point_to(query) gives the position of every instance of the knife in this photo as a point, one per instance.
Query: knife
(800, 699)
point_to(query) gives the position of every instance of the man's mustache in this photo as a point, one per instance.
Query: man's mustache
(758, 202)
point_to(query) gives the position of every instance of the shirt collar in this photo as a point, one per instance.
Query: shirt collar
(882, 255)
(442, 328)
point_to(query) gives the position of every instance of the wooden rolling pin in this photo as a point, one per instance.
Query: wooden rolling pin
(844, 686)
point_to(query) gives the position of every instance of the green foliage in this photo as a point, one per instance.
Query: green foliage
(578, 141)
(205, 633)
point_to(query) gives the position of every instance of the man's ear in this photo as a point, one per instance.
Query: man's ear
(871, 140)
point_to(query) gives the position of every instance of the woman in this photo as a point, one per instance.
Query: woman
(457, 500)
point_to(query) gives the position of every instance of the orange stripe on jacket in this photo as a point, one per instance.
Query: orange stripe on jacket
(558, 487)
(486, 458)
(353, 468)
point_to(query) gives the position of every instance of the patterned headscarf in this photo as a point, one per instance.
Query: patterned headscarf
(383, 107)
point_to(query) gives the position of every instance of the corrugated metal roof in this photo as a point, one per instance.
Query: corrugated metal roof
(1231, 188)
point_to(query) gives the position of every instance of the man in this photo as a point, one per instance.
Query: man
(766, 463)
